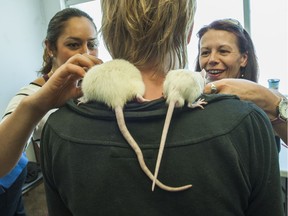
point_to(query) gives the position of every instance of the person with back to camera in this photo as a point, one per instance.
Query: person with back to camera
(225, 50)
(71, 45)
(226, 151)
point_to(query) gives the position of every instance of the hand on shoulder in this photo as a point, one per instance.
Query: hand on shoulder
(250, 91)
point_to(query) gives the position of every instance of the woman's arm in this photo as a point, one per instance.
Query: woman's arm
(265, 98)
(18, 126)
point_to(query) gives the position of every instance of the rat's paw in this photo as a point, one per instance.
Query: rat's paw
(198, 103)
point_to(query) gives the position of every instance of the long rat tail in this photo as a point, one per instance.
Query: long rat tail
(126, 134)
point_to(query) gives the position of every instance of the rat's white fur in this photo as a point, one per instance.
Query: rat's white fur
(115, 83)
(183, 85)
(118, 82)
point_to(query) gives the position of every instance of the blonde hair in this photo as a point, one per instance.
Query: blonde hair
(146, 31)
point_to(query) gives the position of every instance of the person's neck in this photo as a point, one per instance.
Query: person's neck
(153, 84)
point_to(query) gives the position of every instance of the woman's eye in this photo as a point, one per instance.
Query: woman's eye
(73, 45)
(93, 45)
(204, 53)
(224, 51)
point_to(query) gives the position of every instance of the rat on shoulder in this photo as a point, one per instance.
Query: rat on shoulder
(180, 86)
(115, 83)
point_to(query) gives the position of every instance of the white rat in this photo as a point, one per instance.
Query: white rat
(179, 86)
(115, 83)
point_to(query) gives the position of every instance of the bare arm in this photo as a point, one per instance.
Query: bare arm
(263, 97)
(17, 128)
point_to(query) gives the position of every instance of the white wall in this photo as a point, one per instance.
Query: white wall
(270, 36)
(23, 28)
(51, 7)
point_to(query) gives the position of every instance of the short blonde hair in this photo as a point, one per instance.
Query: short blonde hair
(145, 31)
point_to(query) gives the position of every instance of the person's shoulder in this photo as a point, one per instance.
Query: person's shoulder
(229, 103)
(233, 104)
(61, 112)
(230, 109)
(59, 120)
(30, 88)
(73, 111)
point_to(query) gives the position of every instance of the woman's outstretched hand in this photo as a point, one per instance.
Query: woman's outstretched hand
(62, 85)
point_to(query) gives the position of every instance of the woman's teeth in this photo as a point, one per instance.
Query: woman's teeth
(214, 71)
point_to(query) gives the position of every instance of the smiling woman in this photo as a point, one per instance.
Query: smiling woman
(225, 50)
